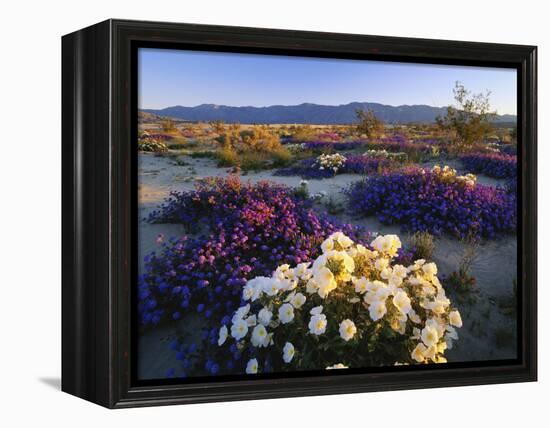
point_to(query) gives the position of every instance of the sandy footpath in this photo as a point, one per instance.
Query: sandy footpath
(488, 332)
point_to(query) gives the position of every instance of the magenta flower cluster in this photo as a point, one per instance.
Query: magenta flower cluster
(420, 200)
(497, 165)
(329, 136)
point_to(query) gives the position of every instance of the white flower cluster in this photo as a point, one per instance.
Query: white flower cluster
(377, 153)
(385, 154)
(295, 148)
(319, 195)
(332, 162)
(449, 174)
(352, 294)
(493, 147)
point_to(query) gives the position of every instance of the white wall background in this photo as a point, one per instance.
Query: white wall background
(30, 201)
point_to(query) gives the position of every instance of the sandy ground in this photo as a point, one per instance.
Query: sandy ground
(489, 330)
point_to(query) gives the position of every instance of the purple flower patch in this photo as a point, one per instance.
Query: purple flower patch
(355, 164)
(331, 145)
(247, 231)
(495, 165)
(421, 200)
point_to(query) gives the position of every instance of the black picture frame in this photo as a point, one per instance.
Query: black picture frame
(99, 196)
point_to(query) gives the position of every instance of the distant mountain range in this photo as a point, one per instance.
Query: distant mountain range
(308, 113)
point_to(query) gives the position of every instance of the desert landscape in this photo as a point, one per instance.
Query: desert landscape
(361, 178)
(300, 214)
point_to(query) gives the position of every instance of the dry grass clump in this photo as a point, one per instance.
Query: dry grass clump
(423, 245)
(461, 279)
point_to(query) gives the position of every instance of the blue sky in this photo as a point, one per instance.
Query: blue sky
(187, 78)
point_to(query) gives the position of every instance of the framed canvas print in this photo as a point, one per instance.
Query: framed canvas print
(253, 213)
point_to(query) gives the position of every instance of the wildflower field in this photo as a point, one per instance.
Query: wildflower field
(270, 248)
(301, 214)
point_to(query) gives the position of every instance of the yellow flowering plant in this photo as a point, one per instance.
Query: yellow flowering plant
(352, 306)
(448, 175)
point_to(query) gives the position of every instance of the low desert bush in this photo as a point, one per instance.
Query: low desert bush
(169, 126)
(227, 157)
(280, 157)
(302, 134)
(252, 149)
(422, 244)
(148, 144)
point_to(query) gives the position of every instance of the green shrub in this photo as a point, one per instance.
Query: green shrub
(168, 125)
(369, 124)
(469, 121)
(177, 146)
(191, 144)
